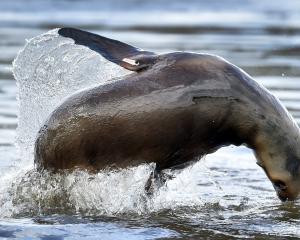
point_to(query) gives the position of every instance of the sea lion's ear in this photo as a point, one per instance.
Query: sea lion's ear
(127, 56)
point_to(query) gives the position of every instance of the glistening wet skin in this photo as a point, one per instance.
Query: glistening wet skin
(223, 196)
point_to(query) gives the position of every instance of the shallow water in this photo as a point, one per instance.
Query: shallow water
(224, 196)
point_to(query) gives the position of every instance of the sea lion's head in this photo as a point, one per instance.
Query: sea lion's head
(282, 166)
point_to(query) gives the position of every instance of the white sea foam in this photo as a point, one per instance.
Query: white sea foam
(105, 193)
(119, 192)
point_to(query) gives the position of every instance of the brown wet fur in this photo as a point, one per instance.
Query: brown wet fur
(169, 136)
(132, 121)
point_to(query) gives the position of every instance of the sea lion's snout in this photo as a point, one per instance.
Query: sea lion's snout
(282, 166)
(281, 190)
(285, 182)
(286, 191)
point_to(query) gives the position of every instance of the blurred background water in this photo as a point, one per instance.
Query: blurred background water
(260, 36)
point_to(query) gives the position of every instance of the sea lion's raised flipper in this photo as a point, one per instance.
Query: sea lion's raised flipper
(127, 56)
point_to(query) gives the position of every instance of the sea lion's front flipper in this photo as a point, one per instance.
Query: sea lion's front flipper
(127, 56)
(156, 180)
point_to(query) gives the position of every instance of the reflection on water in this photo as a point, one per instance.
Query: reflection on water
(223, 197)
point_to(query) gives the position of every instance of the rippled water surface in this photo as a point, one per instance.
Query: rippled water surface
(224, 196)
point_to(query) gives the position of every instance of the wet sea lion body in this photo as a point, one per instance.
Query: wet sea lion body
(174, 109)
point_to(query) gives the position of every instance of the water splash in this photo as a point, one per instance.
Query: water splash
(109, 192)
(47, 70)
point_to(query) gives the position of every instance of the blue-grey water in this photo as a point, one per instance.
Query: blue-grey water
(226, 196)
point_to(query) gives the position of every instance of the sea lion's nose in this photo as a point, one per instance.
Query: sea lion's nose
(281, 189)
(280, 185)
(283, 197)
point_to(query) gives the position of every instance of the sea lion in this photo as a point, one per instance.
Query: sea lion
(174, 109)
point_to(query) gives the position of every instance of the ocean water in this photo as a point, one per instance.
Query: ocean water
(223, 196)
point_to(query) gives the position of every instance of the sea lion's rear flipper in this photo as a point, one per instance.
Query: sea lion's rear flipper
(127, 56)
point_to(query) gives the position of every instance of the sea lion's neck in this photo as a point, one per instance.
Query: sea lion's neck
(275, 139)
(275, 134)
